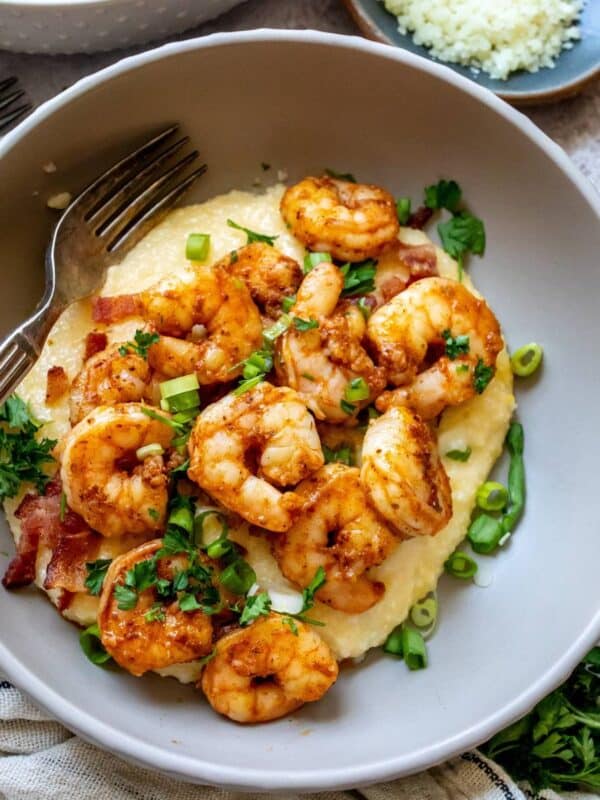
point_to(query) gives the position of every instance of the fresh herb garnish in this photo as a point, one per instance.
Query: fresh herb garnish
(557, 745)
(343, 455)
(305, 324)
(347, 407)
(22, 456)
(126, 597)
(142, 342)
(311, 260)
(259, 605)
(96, 572)
(482, 376)
(462, 234)
(443, 194)
(308, 593)
(459, 455)
(253, 236)
(340, 176)
(90, 643)
(359, 278)
(288, 303)
(156, 613)
(259, 363)
(455, 345)
(403, 206)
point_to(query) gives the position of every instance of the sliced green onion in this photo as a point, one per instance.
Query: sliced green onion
(182, 517)
(485, 533)
(275, 331)
(180, 442)
(459, 455)
(183, 417)
(90, 643)
(346, 407)
(245, 386)
(492, 496)
(373, 413)
(184, 401)
(414, 649)
(515, 442)
(258, 363)
(219, 548)
(460, 565)
(288, 302)
(312, 259)
(424, 613)
(393, 643)
(238, 577)
(181, 385)
(210, 525)
(403, 205)
(526, 359)
(197, 246)
(164, 404)
(148, 450)
(356, 390)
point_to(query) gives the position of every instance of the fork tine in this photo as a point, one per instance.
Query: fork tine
(109, 207)
(100, 191)
(7, 119)
(7, 83)
(129, 211)
(10, 98)
(151, 215)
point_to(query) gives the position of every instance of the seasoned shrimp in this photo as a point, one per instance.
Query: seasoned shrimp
(99, 483)
(402, 474)
(337, 530)
(169, 636)
(269, 274)
(107, 378)
(265, 671)
(207, 296)
(267, 426)
(321, 362)
(352, 221)
(407, 331)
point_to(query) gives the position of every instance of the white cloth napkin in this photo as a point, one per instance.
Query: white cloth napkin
(41, 760)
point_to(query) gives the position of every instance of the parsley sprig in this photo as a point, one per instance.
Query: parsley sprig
(455, 345)
(557, 745)
(252, 236)
(359, 278)
(96, 572)
(22, 456)
(142, 342)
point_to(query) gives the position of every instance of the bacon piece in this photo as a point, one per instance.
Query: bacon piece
(420, 218)
(113, 309)
(391, 287)
(421, 260)
(57, 384)
(66, 568)
(95, 342)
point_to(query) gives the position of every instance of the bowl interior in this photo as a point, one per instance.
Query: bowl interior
(303, 102)
(572, 68)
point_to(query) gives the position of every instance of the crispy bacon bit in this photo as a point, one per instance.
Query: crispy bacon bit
(113, 309)
(95, 342)
(421, 260)
(420, 218)
(392, 287)
(57, 384)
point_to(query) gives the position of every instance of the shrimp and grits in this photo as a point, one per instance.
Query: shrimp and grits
(263, 441)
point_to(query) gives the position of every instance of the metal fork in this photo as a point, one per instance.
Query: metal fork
(10, 92)
(105, 221)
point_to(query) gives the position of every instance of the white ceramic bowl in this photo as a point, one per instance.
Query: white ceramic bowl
(303, 101)
(88, 26)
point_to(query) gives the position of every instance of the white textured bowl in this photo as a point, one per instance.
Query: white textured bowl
(88, 26)
(304, 101)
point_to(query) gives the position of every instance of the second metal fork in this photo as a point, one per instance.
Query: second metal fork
(98, 228)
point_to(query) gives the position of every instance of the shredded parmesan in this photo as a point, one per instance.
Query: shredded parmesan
(497, 36)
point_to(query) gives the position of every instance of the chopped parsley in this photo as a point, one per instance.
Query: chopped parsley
(142, 342)
(156, 613)
(305, 324)
(22, 456)
(459, 455)
(343, 455)
(308, 593)
(311, 260)
(96, 572)
(259, 605)
(482, 376)
(455, 345)
(340, 176)
(359, 278)
(253, 236)
(443, 194)
(259, 363)
(126, 597)
(463, 233)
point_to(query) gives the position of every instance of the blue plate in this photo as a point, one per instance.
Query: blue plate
(574, 68)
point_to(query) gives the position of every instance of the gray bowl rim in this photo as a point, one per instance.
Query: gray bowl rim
(196, 770)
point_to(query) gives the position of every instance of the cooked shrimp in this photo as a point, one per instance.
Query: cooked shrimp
(406, 332)
(269, 274)
(96, 472)
(321, 362)
(352, 221)
(265, 671)
(402, 474)
(207, 296)
(107, 378)
(170, 636)
(269, 426)
(337, 530)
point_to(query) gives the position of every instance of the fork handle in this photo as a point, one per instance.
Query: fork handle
(20, 349)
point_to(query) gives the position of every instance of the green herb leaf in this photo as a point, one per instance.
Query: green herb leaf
(126, 597)
(359, 278)
(459, 455)
(90, 643)
(343, 455)
(288, 303)
(455, 345)
(461, 234)
(96, 572)
(175, 541)
(308, 593)
(403, 206)
(259, 605)
(340, 176)
(253, 236)
(347, 407)
(305, 324)
(443, 194)
(312, 259)
(142, 342)
(156, 613)
(482, 376)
